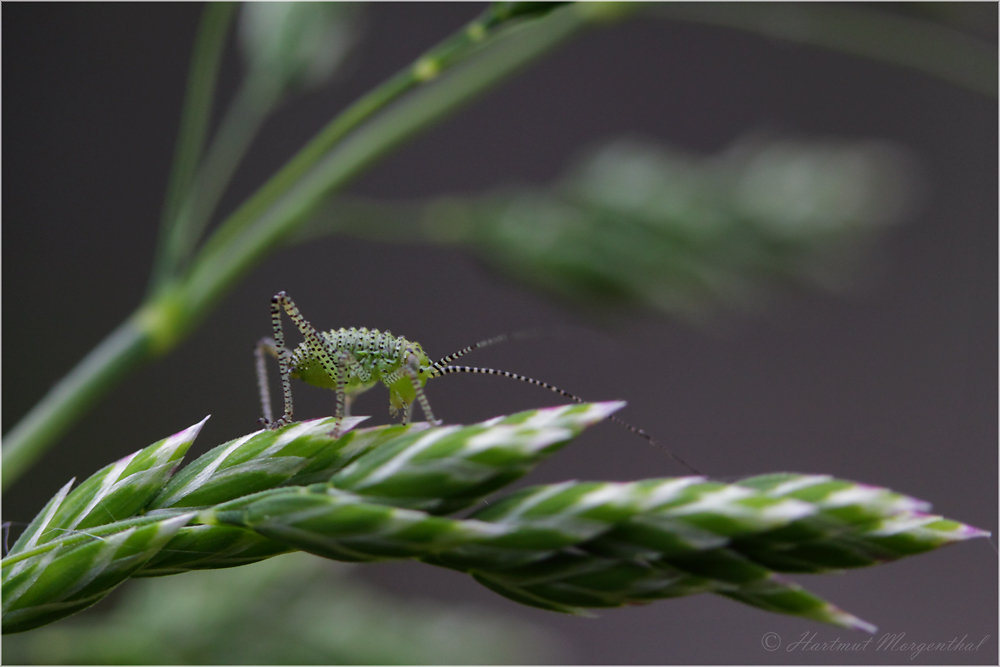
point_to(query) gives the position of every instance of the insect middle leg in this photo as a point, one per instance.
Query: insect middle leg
(346, 363)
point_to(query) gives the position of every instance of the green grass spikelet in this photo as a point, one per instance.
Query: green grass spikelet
(387, 492)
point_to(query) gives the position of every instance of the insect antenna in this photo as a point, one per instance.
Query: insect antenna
(441, 363)
(447, 370)
(502, 338)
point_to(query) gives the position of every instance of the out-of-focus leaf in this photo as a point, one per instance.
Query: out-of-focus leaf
(296, 609)
(637, 225)
(504, 11)
(297, 43)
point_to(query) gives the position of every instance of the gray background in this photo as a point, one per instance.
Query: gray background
(892, 383)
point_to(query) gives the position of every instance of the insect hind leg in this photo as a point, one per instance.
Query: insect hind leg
(277, 349)
(264, 346)
(281, 301)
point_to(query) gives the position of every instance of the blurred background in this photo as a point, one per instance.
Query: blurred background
(830, 306)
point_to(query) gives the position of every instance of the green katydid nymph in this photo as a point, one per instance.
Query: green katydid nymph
(352, 361)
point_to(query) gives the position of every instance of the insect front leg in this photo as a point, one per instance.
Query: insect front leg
(411, 368)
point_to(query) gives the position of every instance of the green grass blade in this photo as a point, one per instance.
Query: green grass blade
(331, 162)
(565, 547)
(331, 460)
(195, 118)
(342, 526)
(445, 469)
(456, 49)
(115, 493)
(63, 581)
(209, 548)
(778, 595)
(922, 46)
(255, 462)
(856, 525)
(40, 524)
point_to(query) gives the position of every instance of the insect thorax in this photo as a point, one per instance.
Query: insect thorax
(377, 352)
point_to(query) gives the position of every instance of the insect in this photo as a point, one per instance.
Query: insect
(352, 361)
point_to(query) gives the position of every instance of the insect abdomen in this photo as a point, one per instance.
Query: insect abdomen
(373, 346)
(376, 351)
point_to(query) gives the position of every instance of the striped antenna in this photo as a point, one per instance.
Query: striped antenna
(444, 361)
(502, 338)
(446, 370)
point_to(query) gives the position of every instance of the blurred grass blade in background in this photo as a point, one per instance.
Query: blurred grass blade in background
(633, 225)
(320, 610)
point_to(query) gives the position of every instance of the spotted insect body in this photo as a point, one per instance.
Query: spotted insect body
(352, 361)
(378, 354)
